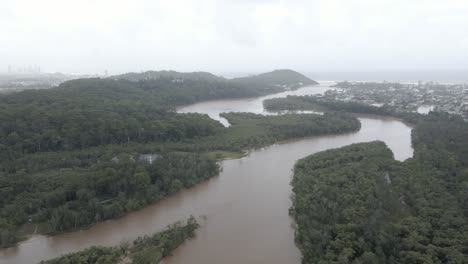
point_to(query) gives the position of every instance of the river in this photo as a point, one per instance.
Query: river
(244, 211)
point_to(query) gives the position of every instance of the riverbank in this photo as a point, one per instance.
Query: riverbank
(147, 249)
(74, 155)
(357, 204)
(202, 199)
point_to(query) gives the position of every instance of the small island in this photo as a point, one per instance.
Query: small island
(143, 250)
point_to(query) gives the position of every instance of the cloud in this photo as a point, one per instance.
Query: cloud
(236, 35)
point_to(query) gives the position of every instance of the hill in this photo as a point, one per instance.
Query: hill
(287, 78)
(276, 78)
(152, 75)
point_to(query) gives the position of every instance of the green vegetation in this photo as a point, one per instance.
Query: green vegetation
(152, 75)
(94, 149)
(72, 198)
(317, 103)
(321, 104)
(286, 78)
(93, 112)
(343, 204)
(252, 131)
(143, 250)
(358, 205)
(69, 190)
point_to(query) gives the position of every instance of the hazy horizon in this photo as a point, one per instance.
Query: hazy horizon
(441, 76)
(88, 37)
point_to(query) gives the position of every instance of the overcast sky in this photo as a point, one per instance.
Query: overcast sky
(90, 36)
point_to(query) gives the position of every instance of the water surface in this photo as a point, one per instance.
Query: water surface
(252, 105)
(243, 211)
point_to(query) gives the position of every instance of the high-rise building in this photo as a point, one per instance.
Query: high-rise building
(10, 69)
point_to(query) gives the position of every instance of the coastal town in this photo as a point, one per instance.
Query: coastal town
(415, 97)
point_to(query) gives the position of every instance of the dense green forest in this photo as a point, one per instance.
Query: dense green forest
(358, 205)
(94, 149)
(70, 198)
(149, 75)
(287, 78)
(317, 103)
(92, 112)
(143, 250)
(250, 130)
(67, 190)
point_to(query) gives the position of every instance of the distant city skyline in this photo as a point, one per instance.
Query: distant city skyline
(27, 69)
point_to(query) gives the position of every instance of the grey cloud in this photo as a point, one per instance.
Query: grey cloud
(123, 35)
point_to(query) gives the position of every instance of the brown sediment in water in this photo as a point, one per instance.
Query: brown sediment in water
(246, 207)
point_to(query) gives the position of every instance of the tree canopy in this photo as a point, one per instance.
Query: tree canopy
(358, 205)
(143, 250)
(78, 154)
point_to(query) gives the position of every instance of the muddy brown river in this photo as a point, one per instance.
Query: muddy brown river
(243, 211)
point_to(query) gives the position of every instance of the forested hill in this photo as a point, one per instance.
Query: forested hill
(90, 112)
(278, 77)
(288, 78)
(151, 75)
